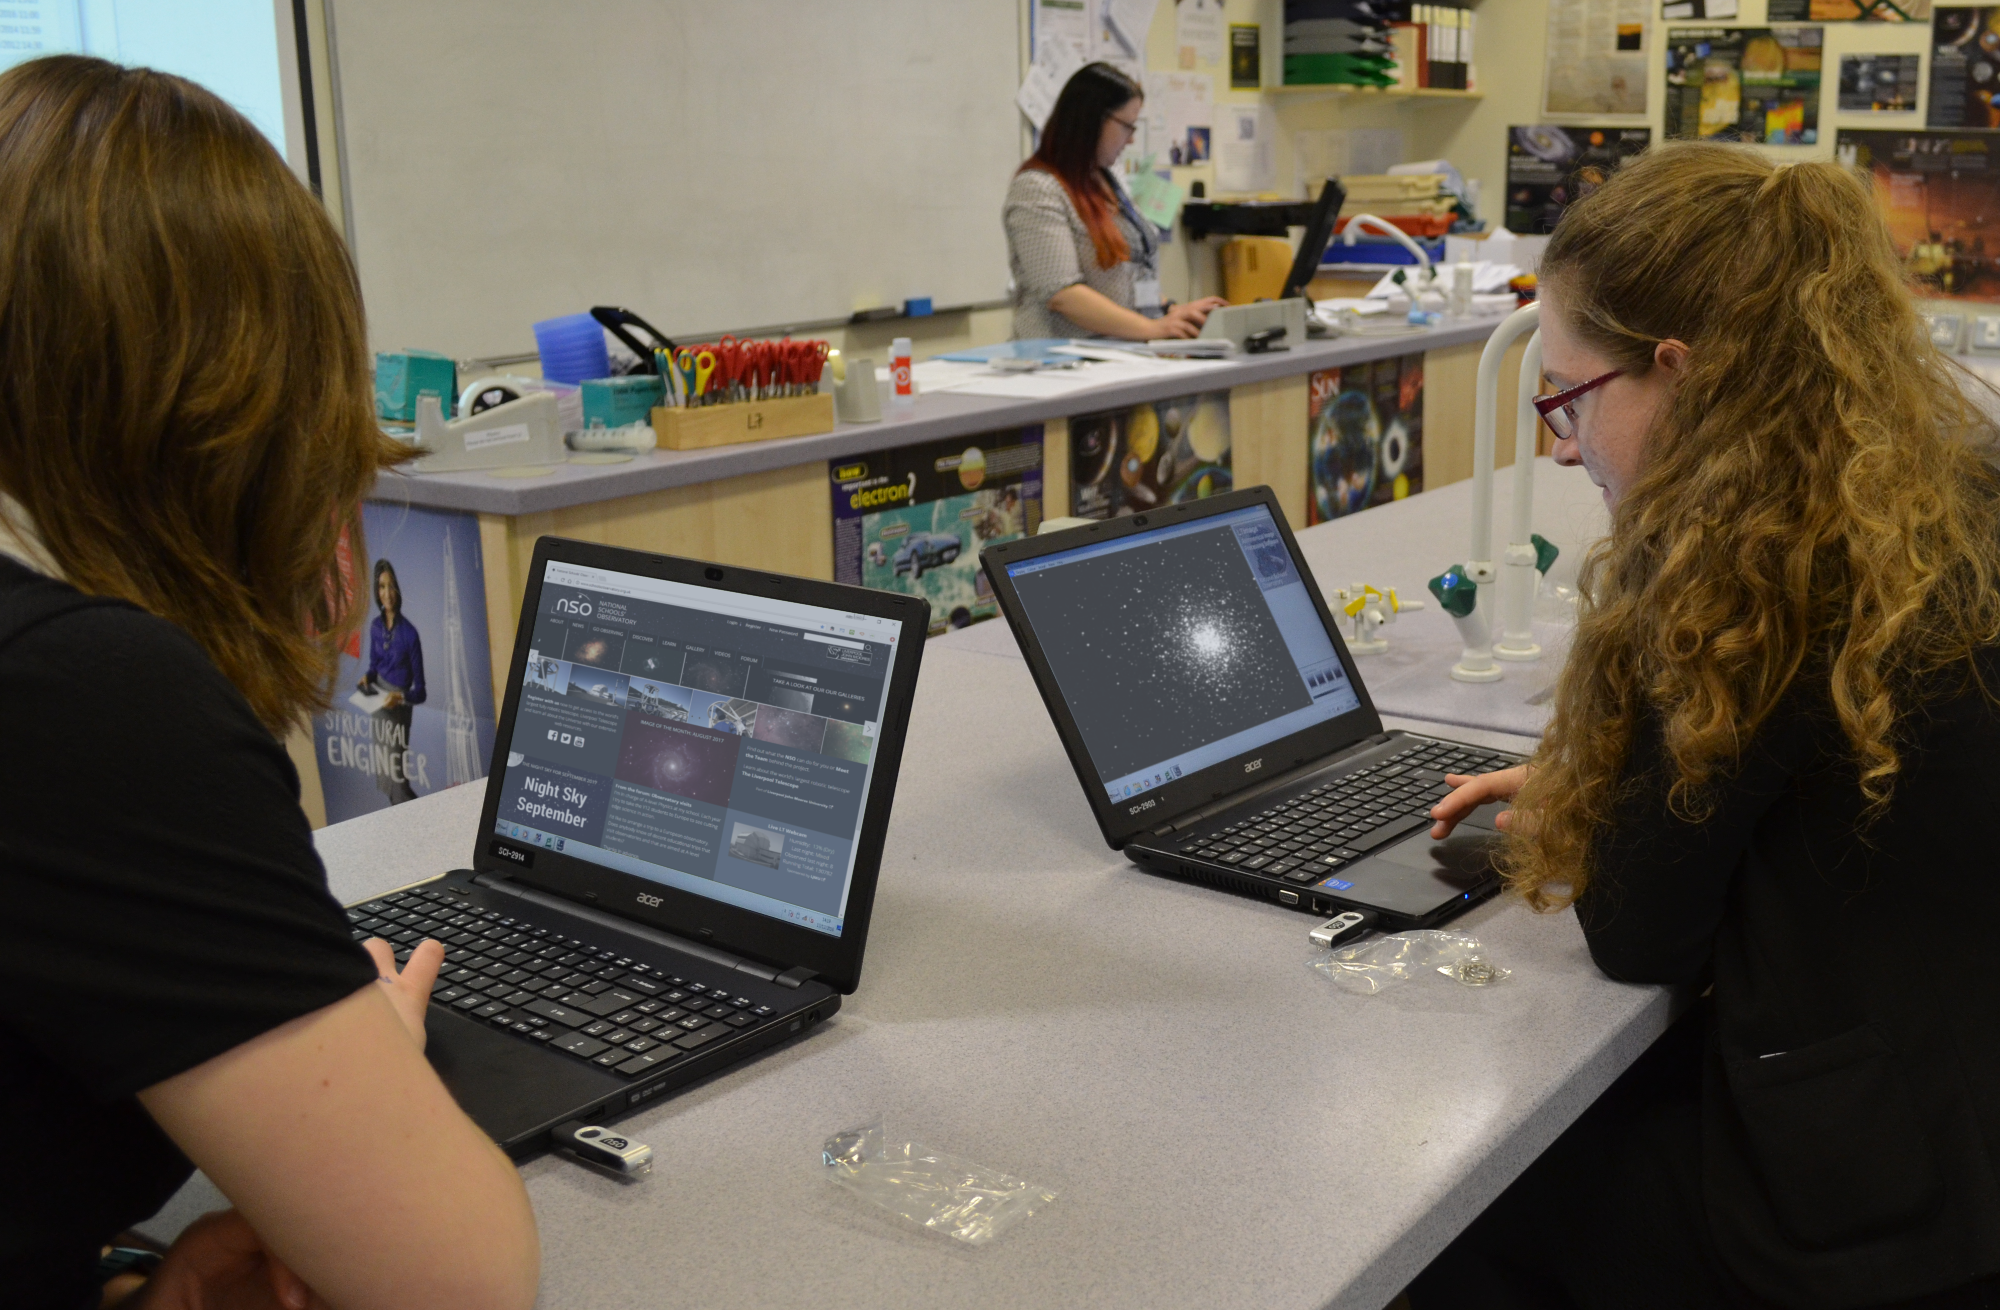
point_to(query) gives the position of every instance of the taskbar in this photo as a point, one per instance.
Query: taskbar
(816, 920)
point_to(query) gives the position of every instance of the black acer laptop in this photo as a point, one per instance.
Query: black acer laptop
(1218, 724)
(691, 780)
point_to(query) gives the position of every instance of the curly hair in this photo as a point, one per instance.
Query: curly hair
(1816, 506)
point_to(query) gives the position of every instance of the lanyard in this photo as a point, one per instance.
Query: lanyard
(1125, 205)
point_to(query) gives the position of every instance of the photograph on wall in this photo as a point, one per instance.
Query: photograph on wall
(1364, 436)
(1965, 68)
(1548, 167)
(914, 520)
(1754, 84)
(412, 712)
(1848, 11)
(1879, 84)
(1163, 452)
(1939, 194)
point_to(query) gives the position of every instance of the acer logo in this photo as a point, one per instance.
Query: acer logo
(1253, 766)
(653, 901)
(1143, 805)
(572, 605)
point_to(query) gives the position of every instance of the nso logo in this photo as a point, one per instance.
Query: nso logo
(573, 605)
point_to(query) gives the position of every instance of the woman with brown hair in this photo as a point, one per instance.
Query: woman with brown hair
(186, 433)
(1085, 262)
(1771, 741)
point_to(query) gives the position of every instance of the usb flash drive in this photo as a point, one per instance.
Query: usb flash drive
(604, 1148)
(1341, 928)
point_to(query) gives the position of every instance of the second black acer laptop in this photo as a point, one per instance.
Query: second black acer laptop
(1217, 721)
(683, 824)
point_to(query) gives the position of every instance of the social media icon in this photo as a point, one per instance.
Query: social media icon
(552, 734)
(579, 739)
(565, 739)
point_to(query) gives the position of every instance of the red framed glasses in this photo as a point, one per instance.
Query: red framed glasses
(1559, 412)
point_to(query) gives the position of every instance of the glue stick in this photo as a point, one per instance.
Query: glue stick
(905, 393)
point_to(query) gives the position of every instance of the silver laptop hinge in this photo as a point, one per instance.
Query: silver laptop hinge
(658, 936)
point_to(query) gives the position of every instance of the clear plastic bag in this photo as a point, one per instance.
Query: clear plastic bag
(1371, 966)
(945, 1193)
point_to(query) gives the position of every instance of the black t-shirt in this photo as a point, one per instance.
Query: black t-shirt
(160, 903)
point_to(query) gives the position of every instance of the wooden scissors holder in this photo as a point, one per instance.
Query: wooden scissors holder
(699, 427)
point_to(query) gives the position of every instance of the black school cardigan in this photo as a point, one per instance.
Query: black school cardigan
(1851, 1106)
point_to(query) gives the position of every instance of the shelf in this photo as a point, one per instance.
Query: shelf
(1390, 92)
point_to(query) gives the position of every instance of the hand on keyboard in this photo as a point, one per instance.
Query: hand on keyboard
(409, 988)
(1470, 791)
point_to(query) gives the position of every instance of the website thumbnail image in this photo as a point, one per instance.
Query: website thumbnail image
(727, 756)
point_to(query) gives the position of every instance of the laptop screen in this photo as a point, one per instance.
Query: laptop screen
(1183, 646)
(721, 744)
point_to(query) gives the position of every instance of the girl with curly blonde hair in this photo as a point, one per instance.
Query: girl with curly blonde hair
(1771, 742)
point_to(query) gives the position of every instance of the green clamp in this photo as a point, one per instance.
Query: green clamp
(1545, 551)
(1455, 592)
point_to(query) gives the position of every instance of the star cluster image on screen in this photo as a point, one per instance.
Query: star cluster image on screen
(1162, 648)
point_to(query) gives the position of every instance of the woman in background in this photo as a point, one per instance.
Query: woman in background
(1085, 262)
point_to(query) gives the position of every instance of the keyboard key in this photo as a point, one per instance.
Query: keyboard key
(612, 1058)
(1389, 831)
(446, 995)
(597, 1029)
(607, 1003)
(578, 1044)
(718, 1012)
(616, 1037)
(644, 986)
(643, 1025)
(639, 1045)
(1256, 861)
(652, 1059)
(740, 1021)
(469, 1001)
(488, 1010)
(694, 1041)
(692, 1023)
(561, 1014)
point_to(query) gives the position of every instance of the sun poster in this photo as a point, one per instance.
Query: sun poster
(1163, 452)
(1364, 436)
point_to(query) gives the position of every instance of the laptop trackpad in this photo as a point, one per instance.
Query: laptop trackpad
(1416, 876)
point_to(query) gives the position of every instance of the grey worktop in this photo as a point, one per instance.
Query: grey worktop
(935, 417)
(1224, 1127)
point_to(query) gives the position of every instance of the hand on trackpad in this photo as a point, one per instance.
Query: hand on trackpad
(1483, 816)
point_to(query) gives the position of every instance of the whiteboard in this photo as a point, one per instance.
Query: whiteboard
(708, 164)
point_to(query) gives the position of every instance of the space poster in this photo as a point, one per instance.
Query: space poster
(1163, 452)
(1549, 167)
(412, 709)
(1939, 194)
(915, 519)
(1754, 84)
(1364, 435)
(1965, 68)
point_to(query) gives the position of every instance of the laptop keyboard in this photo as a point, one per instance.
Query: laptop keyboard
(1304, 837)
(588, 1003)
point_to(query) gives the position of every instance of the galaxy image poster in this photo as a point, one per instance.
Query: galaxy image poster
(1549, 167)
(1752, 84)
(373, 753)
(1965, 68)
(915, 519)
(1879, 84)
(1364, 436)
(1939, 194)
(1163, 452)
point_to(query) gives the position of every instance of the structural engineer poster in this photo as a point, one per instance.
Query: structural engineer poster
(412, 708)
